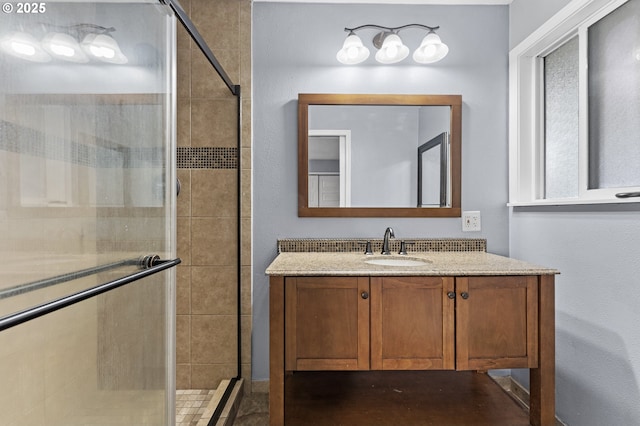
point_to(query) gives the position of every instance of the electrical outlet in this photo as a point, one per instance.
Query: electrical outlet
(471, 221)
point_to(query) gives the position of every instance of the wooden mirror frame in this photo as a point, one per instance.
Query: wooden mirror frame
(452, 101)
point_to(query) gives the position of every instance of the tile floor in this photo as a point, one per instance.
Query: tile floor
(190, 404)
(253, 411)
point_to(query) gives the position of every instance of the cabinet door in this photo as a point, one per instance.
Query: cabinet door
(328, 191)
(496, 322)
(327, 323)
(412, 323)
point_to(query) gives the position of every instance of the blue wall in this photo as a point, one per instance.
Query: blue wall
(294, 48)
(525, 16)
(597, 249)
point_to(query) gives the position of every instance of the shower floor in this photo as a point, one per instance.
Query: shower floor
(191, 404)
(196, 407)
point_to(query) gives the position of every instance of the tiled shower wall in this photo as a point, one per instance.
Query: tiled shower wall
(207, 205)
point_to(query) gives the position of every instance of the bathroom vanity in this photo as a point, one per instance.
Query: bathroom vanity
(433, 310)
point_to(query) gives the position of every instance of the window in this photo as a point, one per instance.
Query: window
(575, 107)
(561, 121)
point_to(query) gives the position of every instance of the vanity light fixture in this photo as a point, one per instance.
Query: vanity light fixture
(390, 47)
(104, 48)
(98, 44)
(64, 43)
(353, 51)
(23, 45)
(63, 46)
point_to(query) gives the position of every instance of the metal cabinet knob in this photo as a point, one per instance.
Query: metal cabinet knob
(464, 295)
(451, 295)
(364, 295)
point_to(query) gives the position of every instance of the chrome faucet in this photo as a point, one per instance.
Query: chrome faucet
(388, 233)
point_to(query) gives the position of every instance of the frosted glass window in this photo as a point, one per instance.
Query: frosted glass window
(614, 99)
(561, 121)
(575, 93)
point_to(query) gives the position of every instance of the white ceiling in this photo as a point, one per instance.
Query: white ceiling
(453, 2)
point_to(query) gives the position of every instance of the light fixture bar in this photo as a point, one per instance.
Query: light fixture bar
(392, 29)
(390, 47)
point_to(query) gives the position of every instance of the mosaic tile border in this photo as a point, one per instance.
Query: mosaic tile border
(334, 245)
(22, 140)
(207, 158)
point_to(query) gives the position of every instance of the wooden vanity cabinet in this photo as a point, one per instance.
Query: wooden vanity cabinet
(327, 323)
(414, 323)
(410, 323)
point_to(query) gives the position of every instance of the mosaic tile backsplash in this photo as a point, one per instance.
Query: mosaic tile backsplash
(335, 245)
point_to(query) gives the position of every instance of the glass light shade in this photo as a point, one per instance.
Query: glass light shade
(104, 48)
(353, 51)
(392, 50)
(23, 45)
(431, 50)
(63, 46)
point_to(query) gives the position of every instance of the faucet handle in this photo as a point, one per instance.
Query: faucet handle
(367, 249)
(403, 246)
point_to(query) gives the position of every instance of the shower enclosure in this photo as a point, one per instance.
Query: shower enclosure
(87, 213)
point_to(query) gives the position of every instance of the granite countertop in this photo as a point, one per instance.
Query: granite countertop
(447, 263)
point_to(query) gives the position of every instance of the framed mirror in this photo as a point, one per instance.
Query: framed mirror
(379, 155)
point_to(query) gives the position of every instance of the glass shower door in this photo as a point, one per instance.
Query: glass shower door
(87, 195)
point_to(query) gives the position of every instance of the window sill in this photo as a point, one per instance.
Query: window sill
(572, 202)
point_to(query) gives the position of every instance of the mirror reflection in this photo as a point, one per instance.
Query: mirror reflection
(379, 155)
(79, 151)
(434, 177)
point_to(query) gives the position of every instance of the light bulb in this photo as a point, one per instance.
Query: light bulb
(23, 49)
(62, 50)
(63, 46)
(353, 51)
(104, 48)
(102, 52)
(431, 50)
(23, 45)
(392, 50)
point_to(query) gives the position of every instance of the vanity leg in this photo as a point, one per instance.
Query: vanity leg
(276, 351)
(542, 379)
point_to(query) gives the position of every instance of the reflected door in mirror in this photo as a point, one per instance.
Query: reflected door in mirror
(433, 172)
(329, 168)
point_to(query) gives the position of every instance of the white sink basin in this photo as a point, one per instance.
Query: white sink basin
(396, 261)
